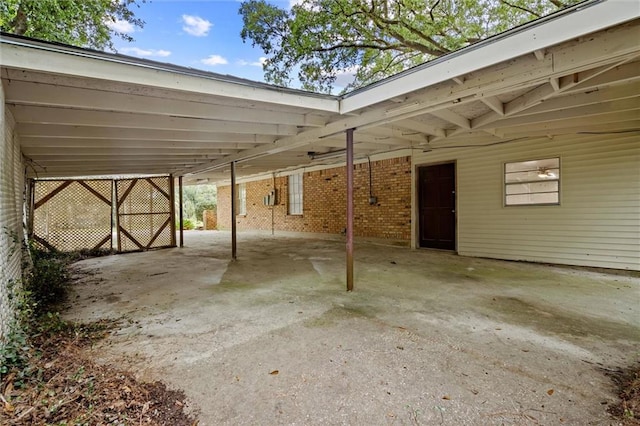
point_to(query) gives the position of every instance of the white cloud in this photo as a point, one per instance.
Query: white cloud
(214, 60)
(346, 76)
(195, 25)
(259, 63)
(121, 26)
(145, 53)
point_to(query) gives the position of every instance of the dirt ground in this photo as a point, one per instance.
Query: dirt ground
(427, 337)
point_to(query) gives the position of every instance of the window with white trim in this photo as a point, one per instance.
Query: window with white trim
(242, 199)
(295, 194)
(535, 182)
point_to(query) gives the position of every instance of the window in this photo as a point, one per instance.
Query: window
(295, 194)
(535, 182)
(242, 199)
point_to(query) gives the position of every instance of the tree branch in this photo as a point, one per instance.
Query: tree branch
(524, 9)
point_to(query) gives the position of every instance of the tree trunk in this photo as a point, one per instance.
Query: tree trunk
(19, 23)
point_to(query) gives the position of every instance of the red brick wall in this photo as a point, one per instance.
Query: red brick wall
(325, 202)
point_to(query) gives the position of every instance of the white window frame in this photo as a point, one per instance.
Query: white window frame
(532, 182)
(295, 199)
(242, 199)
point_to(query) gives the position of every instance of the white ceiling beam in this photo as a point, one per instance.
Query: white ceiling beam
(540, 94)
(624, 73)
(572, 128)
(510, 45)
(147, 157)
(51, 151)
(89, 132)
(72, 117)
(95, 65)
(453, 118)
(551, 127)
(585, 112)
(120, 162)
(591, 97)
(401, 137)
(419, 126)
(116, 143)
(494, 103)
(38, 94)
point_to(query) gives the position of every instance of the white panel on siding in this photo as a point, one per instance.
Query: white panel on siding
(11, 189)
(596, 224)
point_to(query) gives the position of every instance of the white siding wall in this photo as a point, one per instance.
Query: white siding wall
(11, 194)
(596, 224)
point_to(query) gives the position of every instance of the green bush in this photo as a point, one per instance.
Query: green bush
(49, 278)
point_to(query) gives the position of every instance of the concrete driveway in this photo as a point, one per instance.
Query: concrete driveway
(427, 337)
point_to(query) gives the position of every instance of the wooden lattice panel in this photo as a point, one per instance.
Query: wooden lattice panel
(144, 213)
(73, 214)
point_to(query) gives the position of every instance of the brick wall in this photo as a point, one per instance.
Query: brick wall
(11, 195)
(210, 219)
(324, 201)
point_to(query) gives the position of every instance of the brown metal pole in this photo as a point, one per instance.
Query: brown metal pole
(181, 211)
(350, 210)
(233, 211)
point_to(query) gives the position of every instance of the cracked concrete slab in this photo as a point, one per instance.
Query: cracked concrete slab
(427, 337)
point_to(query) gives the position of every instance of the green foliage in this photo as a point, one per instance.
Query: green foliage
(198, 198)
(324, 39)
(188, 225)
(14, 351)
(44, 284)
(49, 277)
(84, 23)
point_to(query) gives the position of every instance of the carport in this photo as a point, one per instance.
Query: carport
(84, 113)
(430, 337)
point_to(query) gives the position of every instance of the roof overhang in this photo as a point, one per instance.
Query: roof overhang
(81, 112)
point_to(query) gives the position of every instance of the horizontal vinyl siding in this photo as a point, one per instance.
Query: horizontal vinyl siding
(596, 224)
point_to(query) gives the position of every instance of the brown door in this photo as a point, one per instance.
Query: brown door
(437, 203)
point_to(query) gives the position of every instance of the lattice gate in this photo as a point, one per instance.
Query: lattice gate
(145, 213)
(72, 215)
(127, 214)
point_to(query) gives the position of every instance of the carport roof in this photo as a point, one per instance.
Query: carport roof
(82, 112)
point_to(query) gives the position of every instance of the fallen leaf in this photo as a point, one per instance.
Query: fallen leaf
(274, 372)
(550, 392)
(447, 397)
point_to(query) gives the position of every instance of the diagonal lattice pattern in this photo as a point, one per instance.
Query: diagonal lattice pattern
(144, 212)
(73, 214)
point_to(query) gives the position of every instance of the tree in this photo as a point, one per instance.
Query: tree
(87, 23)
(198, 198)
(372, 39)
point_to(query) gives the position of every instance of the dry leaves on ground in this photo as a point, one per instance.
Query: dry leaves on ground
(64, 386)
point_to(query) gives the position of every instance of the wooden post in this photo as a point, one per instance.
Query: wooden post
(181, 210)
(234, 196)
(172, 212)
(350, 210)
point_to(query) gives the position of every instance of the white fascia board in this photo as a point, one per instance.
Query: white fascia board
(23, 55)
(584, 20)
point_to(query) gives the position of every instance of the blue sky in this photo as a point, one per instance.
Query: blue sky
(203, 34)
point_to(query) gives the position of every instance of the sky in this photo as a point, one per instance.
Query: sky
(202, 34)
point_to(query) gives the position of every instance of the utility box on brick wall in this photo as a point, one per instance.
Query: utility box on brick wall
(210, 219)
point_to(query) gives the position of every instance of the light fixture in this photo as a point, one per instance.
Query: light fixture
(325, 155)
